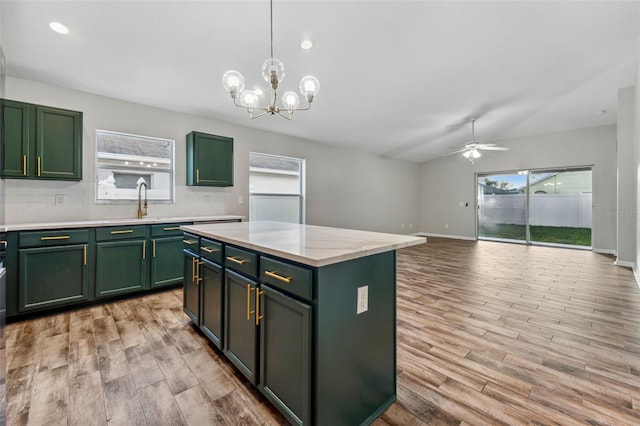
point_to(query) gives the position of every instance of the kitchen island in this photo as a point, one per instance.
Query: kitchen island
(306, 313)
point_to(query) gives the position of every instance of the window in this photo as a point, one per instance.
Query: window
(125, 161)
(276, 188)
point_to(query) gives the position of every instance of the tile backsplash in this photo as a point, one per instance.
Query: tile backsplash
(31, 201)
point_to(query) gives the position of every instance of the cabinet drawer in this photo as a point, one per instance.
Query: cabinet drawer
(53, 238)
(211, 250)
(120, 232)
(286, 276)
(241, 260)
(191, 242)
(167, 229)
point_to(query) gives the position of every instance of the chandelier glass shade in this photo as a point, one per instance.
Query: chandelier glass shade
(273, 71)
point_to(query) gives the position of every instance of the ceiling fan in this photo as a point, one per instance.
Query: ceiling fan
(471, 149)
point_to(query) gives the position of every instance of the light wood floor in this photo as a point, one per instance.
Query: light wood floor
(488, 333)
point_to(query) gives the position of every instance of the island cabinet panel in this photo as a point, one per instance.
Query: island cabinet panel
(355, 350)
(241, 331)
(40, 142)
(209, 160)
(52, 276)
(212, 294)
(285, 354)
(191, 287)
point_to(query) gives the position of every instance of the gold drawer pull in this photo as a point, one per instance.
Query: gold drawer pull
(24, 165)
(278, 277)
(84, 255)
(60, 237)
(249, 311)
(125, 231)
(190, 242)
(236, 260)
(258, 316)
(4, 244)
(209, 250)
(39, 166)
(173, 228)
(197, 175)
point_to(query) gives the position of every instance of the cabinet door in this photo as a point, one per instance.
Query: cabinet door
(209, 160)
(121, 267)
(52, 276)
(285, 354)
(166, 261)
(14, 120)
(212, 301)
(58, 144)
(191, 289)
(241, 336)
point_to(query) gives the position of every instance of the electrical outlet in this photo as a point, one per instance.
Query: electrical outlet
(60, 199)
(363, 300)
(240, 200)
(446, 226)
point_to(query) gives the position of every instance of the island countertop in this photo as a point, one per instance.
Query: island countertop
(307, 244)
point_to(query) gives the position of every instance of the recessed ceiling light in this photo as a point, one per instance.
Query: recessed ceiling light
(59, 28)
(602, 112)
(306, 44)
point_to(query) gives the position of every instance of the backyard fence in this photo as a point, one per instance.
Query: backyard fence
(569, 210)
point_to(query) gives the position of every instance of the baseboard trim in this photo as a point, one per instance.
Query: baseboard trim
(619, 262)
(604, 251)
(636, 274)
(457, 237)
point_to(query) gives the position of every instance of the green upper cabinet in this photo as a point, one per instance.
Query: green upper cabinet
(16, 131)
(209, 160)
(40, 142)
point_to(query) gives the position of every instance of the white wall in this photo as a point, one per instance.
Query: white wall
(625, 216)
(345, 188)
(447, 182)
(637, 165)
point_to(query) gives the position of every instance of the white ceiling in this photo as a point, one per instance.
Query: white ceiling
(398, 78)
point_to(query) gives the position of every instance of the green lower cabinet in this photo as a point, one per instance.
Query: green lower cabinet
(285, 354)
(52, 276)
(166, 261)
(240, 331)
(121, 267)
(211, 318)
(191, 289)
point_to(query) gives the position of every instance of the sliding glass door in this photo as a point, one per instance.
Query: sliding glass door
(536, 206)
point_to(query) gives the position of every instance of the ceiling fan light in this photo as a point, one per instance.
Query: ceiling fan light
(466, 154)
(475, 153)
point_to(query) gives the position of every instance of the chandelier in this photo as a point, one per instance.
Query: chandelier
(273, 73)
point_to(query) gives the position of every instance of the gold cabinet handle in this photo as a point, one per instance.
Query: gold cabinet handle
(144, 249)
(278, 277)
(258, 316)
(209, 250)
(190, 242)
(153, 246)
(173, 228)
(249, 311)
(24, 165)
(58, 237)
(84, 255)
(39, 166)
(236, 260)
(197, 175)
(124, 231)
(4, 244)
(193, 269)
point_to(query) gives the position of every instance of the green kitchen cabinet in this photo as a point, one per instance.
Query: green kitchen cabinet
(212, 296)
(40, 142)
(209, 160)
(285, 354)
(240, 330)
(121, 266)
(16, 152)
(191, 286)
(166, 261)
(52, 276)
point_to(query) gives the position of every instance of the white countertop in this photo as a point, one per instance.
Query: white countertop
(307, 244)
(115, 222)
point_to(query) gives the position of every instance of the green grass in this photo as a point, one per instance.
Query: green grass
(543, 234)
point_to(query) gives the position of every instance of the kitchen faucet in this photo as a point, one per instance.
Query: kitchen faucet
(142, 209)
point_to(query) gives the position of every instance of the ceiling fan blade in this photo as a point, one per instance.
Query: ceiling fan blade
(455, 152)
(494, 148)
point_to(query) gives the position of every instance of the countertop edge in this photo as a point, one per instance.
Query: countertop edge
(411, 240)
(114, 222)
